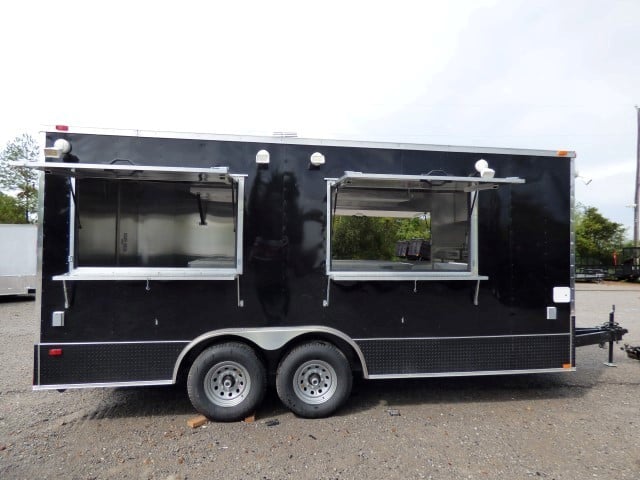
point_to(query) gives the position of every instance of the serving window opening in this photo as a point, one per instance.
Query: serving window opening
(131, 222)
(154, 224)
(396, 227)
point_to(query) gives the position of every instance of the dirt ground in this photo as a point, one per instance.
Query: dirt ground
(556, 426)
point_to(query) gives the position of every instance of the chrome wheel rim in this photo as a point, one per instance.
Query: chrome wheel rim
(227, 384)
(315, 382)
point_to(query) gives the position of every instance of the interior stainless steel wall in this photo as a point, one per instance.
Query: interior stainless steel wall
(153, 224)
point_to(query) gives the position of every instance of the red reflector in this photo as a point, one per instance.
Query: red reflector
(62, 128)
(55, 352)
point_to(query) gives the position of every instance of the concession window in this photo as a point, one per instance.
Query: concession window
(133, 222)
(404, 227)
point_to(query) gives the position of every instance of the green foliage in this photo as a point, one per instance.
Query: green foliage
(22, 183)
(10, 211)
(408, 228)
(374, 238)
(596, 236)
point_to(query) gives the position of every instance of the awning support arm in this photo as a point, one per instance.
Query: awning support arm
(201, 210)
(75, 202)
(325, 302)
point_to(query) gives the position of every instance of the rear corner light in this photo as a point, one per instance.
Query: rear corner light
(55, 352)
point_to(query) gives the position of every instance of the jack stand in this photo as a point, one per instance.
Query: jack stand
(610, 363)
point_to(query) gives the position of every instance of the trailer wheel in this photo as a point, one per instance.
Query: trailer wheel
(314, 380)
(227, 382)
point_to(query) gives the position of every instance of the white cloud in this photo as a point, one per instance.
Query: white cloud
(542, 74)
(230, 67)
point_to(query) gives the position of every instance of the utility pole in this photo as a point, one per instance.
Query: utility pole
(637, 199)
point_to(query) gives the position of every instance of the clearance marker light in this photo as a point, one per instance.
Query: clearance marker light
(55, 352)
(566, 365)
(62, 128)
(562, 153)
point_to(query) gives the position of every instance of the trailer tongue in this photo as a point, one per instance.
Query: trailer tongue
(609, 332)
(605, 333)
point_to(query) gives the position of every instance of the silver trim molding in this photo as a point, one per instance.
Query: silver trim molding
(386, 339)
(356, 275)
(308, 141)
(127, 342)
(146, 383)
(469, 374)
(270, 338)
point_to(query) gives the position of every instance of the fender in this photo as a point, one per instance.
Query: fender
(269, 338)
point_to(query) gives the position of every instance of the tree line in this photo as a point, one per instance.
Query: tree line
(599, 241)
(18, 186)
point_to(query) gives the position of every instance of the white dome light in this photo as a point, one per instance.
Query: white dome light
(317, 159)
(262, 157)
(62, 145)
(482, 166)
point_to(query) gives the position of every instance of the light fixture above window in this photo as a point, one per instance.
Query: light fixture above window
(482, 166)
(262, 157)
(317, 159)
(60, 148)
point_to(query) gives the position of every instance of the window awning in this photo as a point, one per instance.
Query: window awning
(123, 171)
(422, 182)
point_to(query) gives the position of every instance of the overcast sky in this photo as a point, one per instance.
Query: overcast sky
(533, 74)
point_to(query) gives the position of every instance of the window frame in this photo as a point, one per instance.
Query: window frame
(128, 172)
(471, 185)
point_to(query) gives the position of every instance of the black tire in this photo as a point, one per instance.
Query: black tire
(314, 379)
(227, 382)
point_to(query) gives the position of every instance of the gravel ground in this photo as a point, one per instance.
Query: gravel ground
(563, 426)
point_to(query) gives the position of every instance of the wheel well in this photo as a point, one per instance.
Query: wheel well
(270, 358)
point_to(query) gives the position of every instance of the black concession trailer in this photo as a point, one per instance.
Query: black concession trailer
(234, 261)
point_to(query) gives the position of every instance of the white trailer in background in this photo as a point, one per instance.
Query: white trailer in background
(18, 259)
